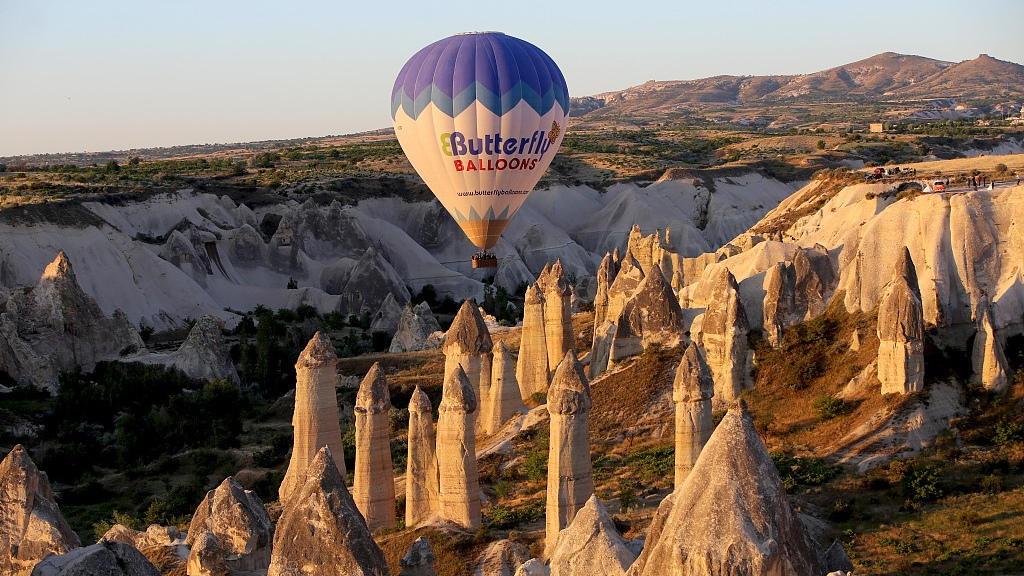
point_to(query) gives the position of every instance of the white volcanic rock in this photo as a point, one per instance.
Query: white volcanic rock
(731, 516)
(505, 397)
(501, 558)
(724, 336)
(229, 529)
(373, 484)
(369, 283)
(625, 283)
(417, 329)
(990, 366)
(468, 345)
(557, 311)
(421, 481)
(387, 317)
(532, 364)
(591, 545)
(58, 320)
(315, 421)
(533, 567)
(570, 474)
(106, 558)
(153, 536)
(458, 478)
(692, 391)
(605, 274)
(901, 332)
(31, 525)
(204, 354)
(779, 302)
(246, 247)
(321, 531)
(651, 315)
(419, 560)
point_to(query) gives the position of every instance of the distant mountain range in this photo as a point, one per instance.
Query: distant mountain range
(885, 77)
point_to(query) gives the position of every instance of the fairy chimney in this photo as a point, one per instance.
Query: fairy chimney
(557, 312)
(421, 489)
(901, 331)
(458, 480)
(570, 476)
(468, 344)
(505, 397)
(724, 333)
(692, 392)
(373, 484)
(532, 366)
(315, 421)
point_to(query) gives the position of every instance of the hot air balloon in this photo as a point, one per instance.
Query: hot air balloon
(480, 117)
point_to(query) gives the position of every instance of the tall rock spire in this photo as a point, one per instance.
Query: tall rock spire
(557, 312)
(901, 331)
(724, 333)
(421, 489)
(315, 421)
(373, 484)
(692, 392)
(505, 397)
(532, 370)
(458, 479)
(468, 344)
(570, 475)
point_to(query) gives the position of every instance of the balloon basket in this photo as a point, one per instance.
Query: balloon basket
(484, 260)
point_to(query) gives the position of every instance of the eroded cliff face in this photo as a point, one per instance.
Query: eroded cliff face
(54, 326)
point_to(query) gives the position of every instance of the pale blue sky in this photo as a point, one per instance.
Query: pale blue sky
(111, 74)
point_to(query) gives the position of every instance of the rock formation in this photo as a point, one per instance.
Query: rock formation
(419, 560)
(315, 421)
(373, 484)
(570, 476)
(651, 314)
(626, 282)
(230, 530)
(505, 397)
(591, 545)
(501, 558)
(468, 344)
(731, 516)
(605, 275)
(557, 312)
(63, 327)
(415, 328)
(901, 331)
(692, 392)
(458, 479)
(421, 490)
(532, 367)
(31, 525)
(724, 335)
(321, 531)
(533, 567)
(814, 280)
(154, 536)
(779, 302)
(106, 558)
(989, 361)
(371, 280)
(387, 317)
(601, 353)
(204, 355)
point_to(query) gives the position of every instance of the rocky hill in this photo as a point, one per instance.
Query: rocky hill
(884, 77)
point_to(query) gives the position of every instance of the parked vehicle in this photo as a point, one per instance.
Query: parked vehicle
(939, 186)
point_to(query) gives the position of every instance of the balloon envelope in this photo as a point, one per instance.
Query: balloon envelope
(480, 117)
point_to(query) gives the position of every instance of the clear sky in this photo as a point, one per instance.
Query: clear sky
(109, 74)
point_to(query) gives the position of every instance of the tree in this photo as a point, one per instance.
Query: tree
(821, 144)
(292, 284)
(112, 166)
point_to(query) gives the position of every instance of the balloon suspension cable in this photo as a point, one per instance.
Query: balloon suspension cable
(485, 259)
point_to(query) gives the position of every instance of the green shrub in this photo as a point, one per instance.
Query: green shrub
(922, 483)
(627, 495)
(1001, 168)
(808, 471)
(501, 517)
(991, 484)
(1007, 432)
(654, 464)
(827, 407)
